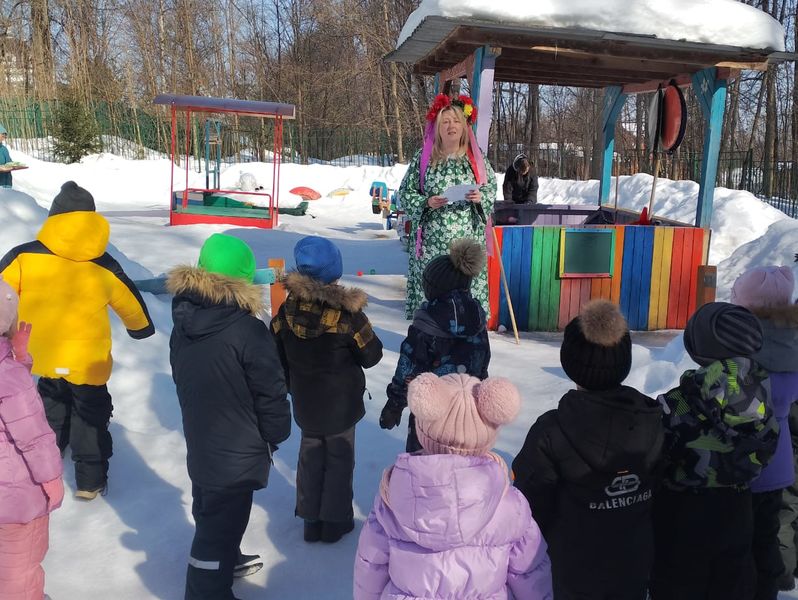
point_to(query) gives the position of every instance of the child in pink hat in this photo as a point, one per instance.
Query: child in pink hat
(29, 461)
(767, 292)
(447, 523)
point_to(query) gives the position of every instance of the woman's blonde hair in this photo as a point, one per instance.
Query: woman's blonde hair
(437, 146)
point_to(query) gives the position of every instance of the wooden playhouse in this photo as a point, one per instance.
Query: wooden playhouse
(562, 256)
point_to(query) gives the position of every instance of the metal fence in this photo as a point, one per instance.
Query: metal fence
(132, 133)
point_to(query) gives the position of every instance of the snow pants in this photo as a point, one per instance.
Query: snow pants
(220, 519)
(788, 522)
(412, 444)
(765, 547)
(324, 477)
(79, 416)
(702, 544)
(22, 549)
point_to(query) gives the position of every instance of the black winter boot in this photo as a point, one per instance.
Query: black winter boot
(332, 531)
(313, 531)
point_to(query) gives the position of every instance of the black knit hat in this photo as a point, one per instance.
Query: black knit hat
(719, 330)
(596, 351)
(453, 271)
(72, 198)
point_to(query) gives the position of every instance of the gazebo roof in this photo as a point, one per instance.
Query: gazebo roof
(571, 56)
(255, 108)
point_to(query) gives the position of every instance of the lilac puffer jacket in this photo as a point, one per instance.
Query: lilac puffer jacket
(28, 452)
(446, 527)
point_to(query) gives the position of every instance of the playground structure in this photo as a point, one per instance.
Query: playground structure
(657, 274)
(385, 202)
(211, 204)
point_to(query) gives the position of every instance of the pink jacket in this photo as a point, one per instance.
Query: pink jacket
(28, 452)
(447, 526)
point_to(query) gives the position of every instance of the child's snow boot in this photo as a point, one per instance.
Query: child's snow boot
(312, 530)
(247, 564)
(332, 531)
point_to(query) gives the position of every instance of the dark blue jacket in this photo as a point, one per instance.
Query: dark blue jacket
(448, 335)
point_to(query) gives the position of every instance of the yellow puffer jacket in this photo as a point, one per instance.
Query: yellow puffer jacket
(66, 281)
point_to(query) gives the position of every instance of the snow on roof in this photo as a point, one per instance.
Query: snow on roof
(722, 22)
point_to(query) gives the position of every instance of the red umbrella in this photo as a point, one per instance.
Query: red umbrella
(306, 193)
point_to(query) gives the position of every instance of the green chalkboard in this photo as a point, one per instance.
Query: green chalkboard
(587, 252)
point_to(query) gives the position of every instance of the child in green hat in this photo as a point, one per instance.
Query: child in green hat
(232, 395)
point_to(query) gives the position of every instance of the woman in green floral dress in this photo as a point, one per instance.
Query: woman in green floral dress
(454, 159)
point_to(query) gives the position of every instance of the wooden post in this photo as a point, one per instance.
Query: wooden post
(482, 92)
(277, 290)
(711, 94)
(707, 284)
(506, 287)
(614, 99)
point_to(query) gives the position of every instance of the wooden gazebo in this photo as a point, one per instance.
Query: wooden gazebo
(652, 272)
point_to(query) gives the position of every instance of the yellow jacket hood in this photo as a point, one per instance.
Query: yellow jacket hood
(78, 236)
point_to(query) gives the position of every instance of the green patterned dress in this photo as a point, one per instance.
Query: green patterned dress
(442, 226)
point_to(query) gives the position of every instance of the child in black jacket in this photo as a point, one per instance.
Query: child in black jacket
(448, 333)
(325, 341)
(587, 467)
(233, 400)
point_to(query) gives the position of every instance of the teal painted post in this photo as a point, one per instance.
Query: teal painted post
(482, 93)
(437, 84)
(711, 94)
(614, 99)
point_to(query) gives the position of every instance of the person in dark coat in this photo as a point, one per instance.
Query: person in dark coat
(233, 400)
(588, 468)
(325, 341)
(720, 431)
(520, 182)
(788, 514)
(767, 292)
(448, 334)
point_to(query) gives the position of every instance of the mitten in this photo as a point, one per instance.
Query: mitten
(54, 490)
(19, 341)
(390, 416)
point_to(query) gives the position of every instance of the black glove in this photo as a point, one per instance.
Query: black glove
(390, 416)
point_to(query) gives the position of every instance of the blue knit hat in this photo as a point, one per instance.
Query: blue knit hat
(319, 258)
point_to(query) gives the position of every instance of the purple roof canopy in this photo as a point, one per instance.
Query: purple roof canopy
(227, 105)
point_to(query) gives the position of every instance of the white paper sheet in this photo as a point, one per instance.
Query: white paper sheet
(457, 193)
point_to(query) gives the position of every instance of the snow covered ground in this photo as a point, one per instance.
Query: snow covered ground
(133, 543)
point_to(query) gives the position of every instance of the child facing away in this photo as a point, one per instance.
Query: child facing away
(767, 292)
(719, 433)
(448, 334)
(325, 341)
(588, 467)
(447, 522)
(30, 463)
(233, 400)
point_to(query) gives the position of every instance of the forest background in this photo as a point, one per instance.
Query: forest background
(88, 70)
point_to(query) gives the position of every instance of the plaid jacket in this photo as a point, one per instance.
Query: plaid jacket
(325, 341)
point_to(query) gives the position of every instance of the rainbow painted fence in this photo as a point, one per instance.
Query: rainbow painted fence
(654, 277)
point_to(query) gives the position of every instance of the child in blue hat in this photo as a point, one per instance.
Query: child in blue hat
(325, 341)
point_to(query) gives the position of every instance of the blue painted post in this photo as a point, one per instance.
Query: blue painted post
(482, 92)
(614, 99)
(711, 94)
(437, 84)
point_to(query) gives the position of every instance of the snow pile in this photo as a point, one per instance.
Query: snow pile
(725, 22)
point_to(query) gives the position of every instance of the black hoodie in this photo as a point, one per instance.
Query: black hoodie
(229, 380)
(588, 469)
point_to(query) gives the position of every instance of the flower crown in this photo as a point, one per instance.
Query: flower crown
(464, 103)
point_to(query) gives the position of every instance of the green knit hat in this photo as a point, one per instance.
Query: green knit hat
(227, 255)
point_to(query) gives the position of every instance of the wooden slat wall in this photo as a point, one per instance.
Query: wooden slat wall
(654, 279)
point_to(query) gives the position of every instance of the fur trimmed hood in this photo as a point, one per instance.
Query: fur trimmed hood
(333, 295)
(216, 289)
(780, 316)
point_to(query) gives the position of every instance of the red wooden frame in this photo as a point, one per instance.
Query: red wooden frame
(204, 105)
